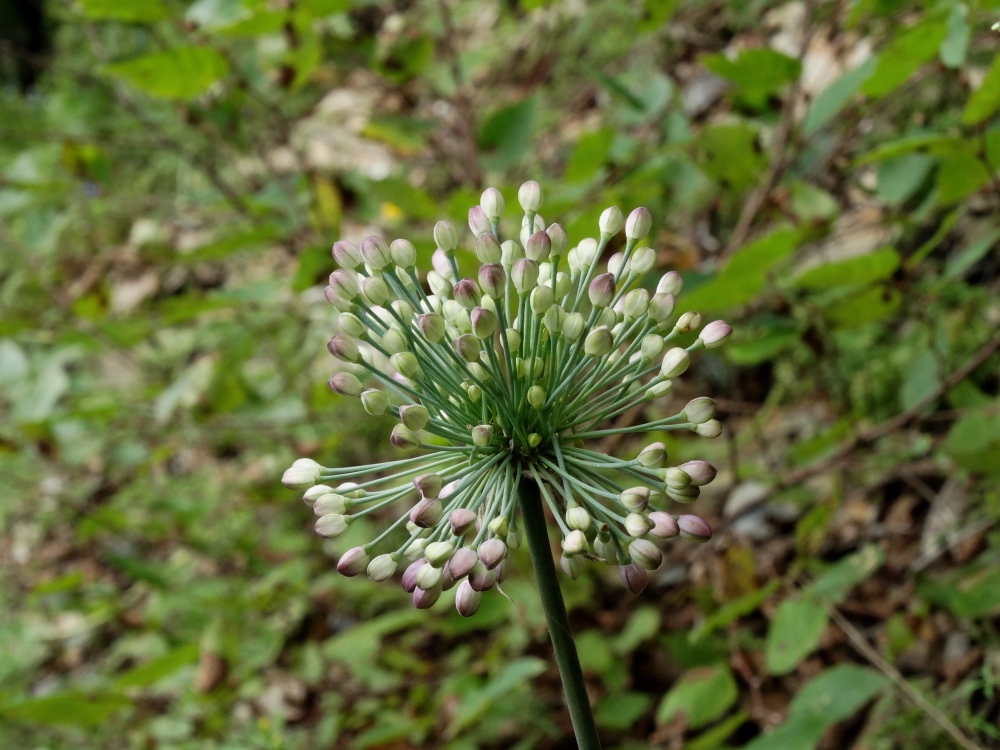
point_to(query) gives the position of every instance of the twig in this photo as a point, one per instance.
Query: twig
(873, 656)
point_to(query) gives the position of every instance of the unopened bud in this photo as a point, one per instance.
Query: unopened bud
(428, 485)
(651, 347)
(466, 293)
(652, 455)
(375, 252)
(482, 578)
(438, 553)
(575, 543)
(645, 554)
(694, 528)
(462, 562)
(381, 568)
(344, 284)
(536, 396)
(715, 333)
(664, 525)
(403, 253)
(484, 323)
(332, 524)
(467, 347)
(313, 494)
(415, 549)
(636, 304)
(635, 498)
(493, 280)
(461, 520)
(554, 319)
(710, 429)
(541, 299)
(578, 519)
(610, 222)
(687, 322)
(637, 525)
(345, 384)
(537, 247)
(538, 225)
(414, 416)
(598, 342)
(682, 494)
(432, 326)
(410, 575)
(403, 438)
(426, 598)
(302, 474)
(675, 362)
(405, 364)
(558, 238)
(482, 434)
(572, 565)
(467, 599)
(353, 562)
(488, 248)
(602, 290)
(573, 326)
(661, 307)
(529, 195)
(638, 223)
(346, 255)
(491, 552)
(534, 439)
(331, 502)
(427, 512)
(375, 290)
(670, 283)
(499, 526)
(658, 390)
(633, 578)
(351, 325)
(446, 236)
(524, 274)
(510, 251)
(479, 223)
(701, 472)
(642, 261)
(492, 204)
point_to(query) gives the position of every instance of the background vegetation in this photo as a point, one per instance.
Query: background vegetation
(823, 172)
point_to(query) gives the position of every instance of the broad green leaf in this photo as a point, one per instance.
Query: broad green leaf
(763, 253)
(901, 58)
(861, 270)
(847, 573)
(970, 593)
(835, 97)
(733, 610)
(755, 70)
(956, 41)
(897, 148)
(70, 707)
(589, 155)
(793, 633)
(976, 431)
(967, 258)
(478, 702)
(811, 203)
(836, 693)
(711, 739)
(178, 73)
(155, 670)
(702, 695)
(920, 379)
(655, 13)
(215, 14)
(985, 100)
(729, 154)
(960, 171)
(620, 711)
(506, 133)
(867, 307)
(129, 11)
(642, 625)
(900, 178)
(761, 349)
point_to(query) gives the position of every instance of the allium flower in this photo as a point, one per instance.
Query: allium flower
(498, 379)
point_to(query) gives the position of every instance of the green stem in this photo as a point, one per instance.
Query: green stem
(536, 534)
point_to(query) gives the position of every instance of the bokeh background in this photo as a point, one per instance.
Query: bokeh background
(824, 174)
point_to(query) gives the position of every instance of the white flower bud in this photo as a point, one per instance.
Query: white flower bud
(575, 543)
(687, 322)
(492, 204)
(715, 333)
(351, 325)
(675, 362)
(345, 384)
(572, 565)
(482, 434)
(446, 236)
(346, 255)
(467, 599)
(610, 222)
(710, 429)
(652, 455)
(651, 347)
(636, 303)
(541, 299)
(381, 568)
(438, 553)
(488, 248)
(670, 283)
(573, 326)
(638, 223)
(313, 494)
(428, 577)
(700, 410)
(524, 274)
(559, 238)
(439, 284)
(635, 498)
(302, 474)
(510, 251)
(375, 252)
(403, 254)
(642, 261)
(529, 195)
(637, 525)
(478, 221)
(331, 502)
(598, 342)
(578, 519)
(332, 524)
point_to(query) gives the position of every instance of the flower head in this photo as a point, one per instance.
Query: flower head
(501, 378)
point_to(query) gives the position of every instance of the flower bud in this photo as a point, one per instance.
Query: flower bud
(661, 307)
(536, 396)
(710, 429)
(586, 253)
(492, 204)
(637, 525)
(426, 598)
(513, 539)
(410, 575)
(541, 299)
(482, 434)
(393, 341)
(475, 393)
(427, 512)
(642, 261)
(467, 347)
(602, 290)
(429, 576)
(461, 520)
(331, 502)
(554, 319)
(466, 293)
(491, 552)
(338, 303)
(403, 253)
(499, 526)
(345, 384)
(381, 568)
(645, 554)
(462, 562)
(432, 326)
(311, 495)
(652, 455)
(529, 195)
(493, 280)
(332, 524)
(428, 485)
(700, 410)
(375, 290)
(524, 274)
(694, 528)
(558, 238)
(670, 283)
(438, 553)
(664, 525)
(598, 342)
(350, 489)
(415, 549)
(687, 322)
(537, 247)
(488, 248)
(343, 347)
(467, 599)
(638, 223)
(439, 285)
(302, 474)
(442, 265)
(635, 498)
(633, 578)
(701, 472)
(514, 339)
(636, 303)
(350, 324)
(375, 252)
(484, 323)
(446, 236)
(715, 334)
(346, 255)
(510, 251)
(479, 223)
(353, 562)
(684, 495)
(482, 578)
(605, 549)
(572, 565)
(403, 438)
(573, 326)
(538, 225)
(659, 390)
(676, 479)
(675, 362)
(651, 347)
(534, 439)
(344, 284)
(405, 364)
(610, 222)
(479, 372)
(575, 543)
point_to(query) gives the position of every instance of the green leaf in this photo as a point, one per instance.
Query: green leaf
(835, 97)
(506, 134)
(836, 694)
(756, 70)
(970, 593)
(861, 270)
(901, 58)
(620, 711)
(967, 258)
(847, 573)
(900, 147)
(129, 11)
(655, 13)
(713, 738)
(974, 440)
(702, 695)
(960, 171)
(867, 307)
(414, 202)
(155, 670)
(956, 41)
(178, 73)
(642, 625)
(589, 155)
(729, 154)
(920, 379)
(900, 178)
(793, 634)
(731, 611)
(985, 100)
(249, 239)
(761, 254)
(69, 707)
(478, 702)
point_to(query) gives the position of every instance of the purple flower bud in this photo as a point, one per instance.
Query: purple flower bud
(524, 274)
(344, 284)
(427, 512)
(538, 247)
(429, 485)
(333, 299)
(602, 290)
(670, 283)
(403, 253)
(715, 333)
(482, 578)
(488, 248)
(638, 223)
(410, 575)
(529, 195)
(493, 280)
(467, 599)
(353, 562)
(467, 347)
(479, 223)
(432, 326)
(375, 252)
(504, 570)
(558, 238)
(343, 347)
(461, 520)
(645, 554)
(346, 255)
(491, 552)
(345, 383)
(462, 562)
(633, 578)
(694, 528)
(446, 236)
(701, 472)
(466, 293)
(425, 599)
(447, 581)
(403, 438)
(484, 322)
(664, 525)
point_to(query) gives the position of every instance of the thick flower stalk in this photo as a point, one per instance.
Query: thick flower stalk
(499, 379)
